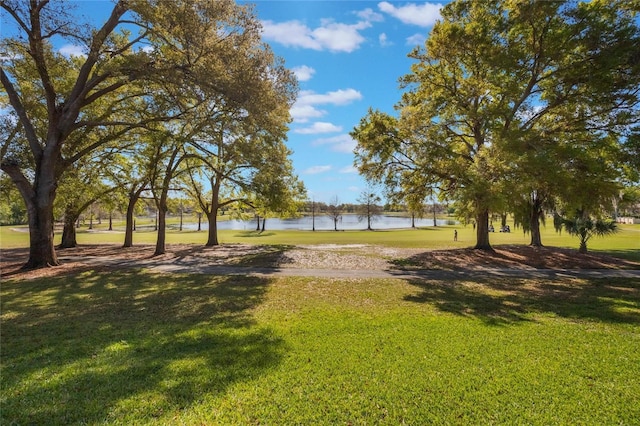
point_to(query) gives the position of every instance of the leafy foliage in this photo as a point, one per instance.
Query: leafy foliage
(584, 227)
(168, 68)
(512, 106)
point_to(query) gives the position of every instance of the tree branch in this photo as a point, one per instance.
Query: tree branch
(80, 87)
(16, 103)
(20, 181)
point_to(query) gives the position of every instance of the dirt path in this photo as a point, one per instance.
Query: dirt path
(438, 274)
(331, 261)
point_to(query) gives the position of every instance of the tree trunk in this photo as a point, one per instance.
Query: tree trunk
(536, 237)
(212, 215)
(413, 220)
(536, 213)
(110, 221)
(130, 226)
(583, 246)
(39, 202)
(162, 228)
(42, 252)
(199, 221)
(482, 231)
(69, 231)
(38, 199)
(583, 234)
(264, 223)
(257, 222)
(212, 239)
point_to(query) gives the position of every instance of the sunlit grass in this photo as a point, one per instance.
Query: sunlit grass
(139, 348)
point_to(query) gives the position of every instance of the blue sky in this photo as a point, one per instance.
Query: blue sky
(348, 56)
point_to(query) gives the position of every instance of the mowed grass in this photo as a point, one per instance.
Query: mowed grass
(625, 243)
(131, 347)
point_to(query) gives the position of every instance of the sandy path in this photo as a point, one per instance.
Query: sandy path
(335, 261)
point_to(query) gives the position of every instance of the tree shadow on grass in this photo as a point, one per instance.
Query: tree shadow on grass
(632, 255)
(513, 256)
(268, 256)
(504, 301)
(273, 256)
(192, 259)
(128, 346)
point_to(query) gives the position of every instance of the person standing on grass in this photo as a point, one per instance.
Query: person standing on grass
(455, 235)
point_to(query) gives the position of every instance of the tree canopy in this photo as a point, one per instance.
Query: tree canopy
(509, 106)
(149, 62)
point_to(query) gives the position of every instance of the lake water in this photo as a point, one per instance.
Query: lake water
(322, 223)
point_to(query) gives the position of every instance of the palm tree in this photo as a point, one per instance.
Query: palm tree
(584, 227)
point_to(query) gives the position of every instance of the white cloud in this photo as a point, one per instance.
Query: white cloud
(348, 169)
(339, 37)
(384, 40)
(303, 73)
(423, 15)
(302, 113)
(333, 140)
(319, 127)
(346, 148)
(416, 40)
(304, 108)
(369, 15)
(316, 170)
(70, 50)
(332, 36)
(337, 97)
(341, 143)
(290, 33)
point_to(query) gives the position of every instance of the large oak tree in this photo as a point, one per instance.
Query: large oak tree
(497, 85)
(143, 49)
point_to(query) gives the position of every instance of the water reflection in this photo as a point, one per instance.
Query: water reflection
(323, 223)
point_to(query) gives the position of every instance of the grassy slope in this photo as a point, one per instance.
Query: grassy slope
(135, 348)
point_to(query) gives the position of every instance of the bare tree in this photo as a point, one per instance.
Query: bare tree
(334, 209)
(369, 207)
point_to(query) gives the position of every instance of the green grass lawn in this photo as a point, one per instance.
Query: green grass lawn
(130, 347)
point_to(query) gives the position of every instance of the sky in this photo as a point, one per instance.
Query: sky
(348, 57)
